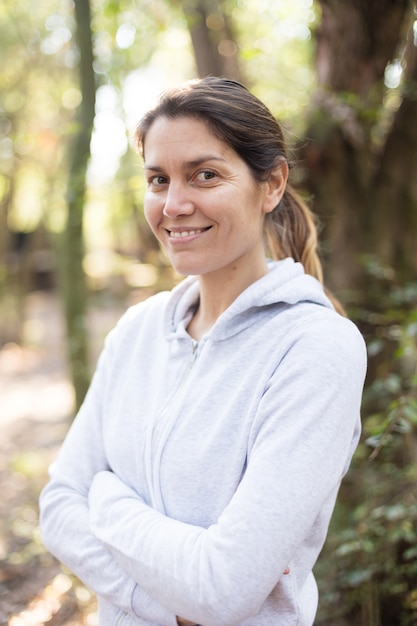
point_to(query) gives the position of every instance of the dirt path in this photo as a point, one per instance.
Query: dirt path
(36, 404)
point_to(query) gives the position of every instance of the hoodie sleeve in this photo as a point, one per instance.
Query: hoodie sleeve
(64, 510)
(302, 441)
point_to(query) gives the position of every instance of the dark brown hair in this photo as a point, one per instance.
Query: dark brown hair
(241, 120)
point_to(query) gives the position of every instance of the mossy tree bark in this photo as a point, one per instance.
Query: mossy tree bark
(360, 157)
(75, 293)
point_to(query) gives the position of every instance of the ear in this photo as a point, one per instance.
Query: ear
(275, 186)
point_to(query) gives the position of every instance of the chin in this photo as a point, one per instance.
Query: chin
(184, 272)
(188, 269)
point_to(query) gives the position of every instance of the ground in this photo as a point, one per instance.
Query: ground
(36, 408)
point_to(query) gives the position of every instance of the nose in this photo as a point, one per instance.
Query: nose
(178, 201)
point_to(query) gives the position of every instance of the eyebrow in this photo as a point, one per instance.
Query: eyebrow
(187, 164)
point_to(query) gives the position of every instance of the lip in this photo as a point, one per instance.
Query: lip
(186, 233)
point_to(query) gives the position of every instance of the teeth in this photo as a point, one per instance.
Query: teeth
(185, 233)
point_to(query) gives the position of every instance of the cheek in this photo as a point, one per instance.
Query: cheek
(151, 212)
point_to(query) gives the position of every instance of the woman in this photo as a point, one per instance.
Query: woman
(197, 482)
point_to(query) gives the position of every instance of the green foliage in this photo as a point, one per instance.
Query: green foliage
(368, 569)
(276, 49)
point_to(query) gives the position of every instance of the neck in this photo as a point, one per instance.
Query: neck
(216, 296)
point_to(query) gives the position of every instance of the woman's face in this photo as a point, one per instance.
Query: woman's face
(202, 202)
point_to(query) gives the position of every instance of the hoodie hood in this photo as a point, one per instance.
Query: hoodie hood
(285, 284)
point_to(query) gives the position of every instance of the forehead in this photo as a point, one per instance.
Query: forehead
(175, 135)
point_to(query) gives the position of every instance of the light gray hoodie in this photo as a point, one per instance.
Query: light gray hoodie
(196, 473)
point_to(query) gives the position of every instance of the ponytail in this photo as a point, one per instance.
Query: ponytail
(291, 231)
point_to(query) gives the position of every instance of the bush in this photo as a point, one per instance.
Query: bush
(367, 573)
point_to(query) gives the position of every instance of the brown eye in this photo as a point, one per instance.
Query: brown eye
(158, 180)
(206, 175)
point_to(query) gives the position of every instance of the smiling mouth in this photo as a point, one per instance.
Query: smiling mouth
(178, 234)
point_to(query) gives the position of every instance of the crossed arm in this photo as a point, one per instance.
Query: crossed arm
(205, 575)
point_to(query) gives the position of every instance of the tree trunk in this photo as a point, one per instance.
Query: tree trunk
(215, 48)
(74, 280)
(359, 165)
(396, 179)
(358, 161)
(10, 329)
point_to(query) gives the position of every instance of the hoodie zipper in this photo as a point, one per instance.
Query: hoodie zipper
(168, 414)
(121, 619)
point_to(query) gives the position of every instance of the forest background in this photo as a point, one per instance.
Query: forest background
(341, 75)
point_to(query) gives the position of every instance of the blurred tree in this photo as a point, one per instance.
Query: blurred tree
(359, 162)
(212, 35)
(74, 283)
(360, 155)
(32, 82)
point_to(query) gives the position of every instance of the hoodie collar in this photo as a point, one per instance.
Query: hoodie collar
(285, 283)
